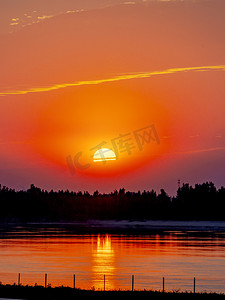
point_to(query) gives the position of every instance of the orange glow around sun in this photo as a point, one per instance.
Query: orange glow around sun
(78, 122)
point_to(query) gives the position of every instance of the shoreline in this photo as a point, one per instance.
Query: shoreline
(68, 293)
(113, 227)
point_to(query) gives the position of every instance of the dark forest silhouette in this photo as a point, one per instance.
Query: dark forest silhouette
(201, 202)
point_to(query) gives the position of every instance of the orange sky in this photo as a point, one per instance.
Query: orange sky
(76, 80)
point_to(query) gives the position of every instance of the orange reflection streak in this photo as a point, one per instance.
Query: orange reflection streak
(103, 263)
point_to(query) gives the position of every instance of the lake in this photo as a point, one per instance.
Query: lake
(177, 251)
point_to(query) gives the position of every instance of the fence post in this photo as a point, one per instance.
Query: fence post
(45, 280)
(74, 281)
(104, 282)
(19, 279)
(163, 284)
(194, 285)
(132, 283)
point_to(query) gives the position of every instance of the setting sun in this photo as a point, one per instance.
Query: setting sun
(103, 155)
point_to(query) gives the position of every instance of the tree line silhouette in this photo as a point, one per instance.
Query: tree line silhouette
(201, 202)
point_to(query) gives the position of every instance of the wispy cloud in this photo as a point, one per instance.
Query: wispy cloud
(14, 22)
(74, 11)
(15, 142)
(128, 76)
(202, 150)
(44, 17)
(28, 19)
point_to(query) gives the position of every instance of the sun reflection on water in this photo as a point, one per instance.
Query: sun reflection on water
(103, 263)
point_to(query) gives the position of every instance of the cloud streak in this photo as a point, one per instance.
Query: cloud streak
(112, 79)
(202, 150)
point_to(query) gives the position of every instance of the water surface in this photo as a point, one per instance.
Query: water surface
(179, 255)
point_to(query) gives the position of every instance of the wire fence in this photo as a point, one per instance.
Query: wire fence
(116, 282)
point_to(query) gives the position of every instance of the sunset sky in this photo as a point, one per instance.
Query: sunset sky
(144, 79)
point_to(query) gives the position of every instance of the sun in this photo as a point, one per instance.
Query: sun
(104, 154)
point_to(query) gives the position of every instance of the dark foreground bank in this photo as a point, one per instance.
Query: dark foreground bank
(41, 293)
